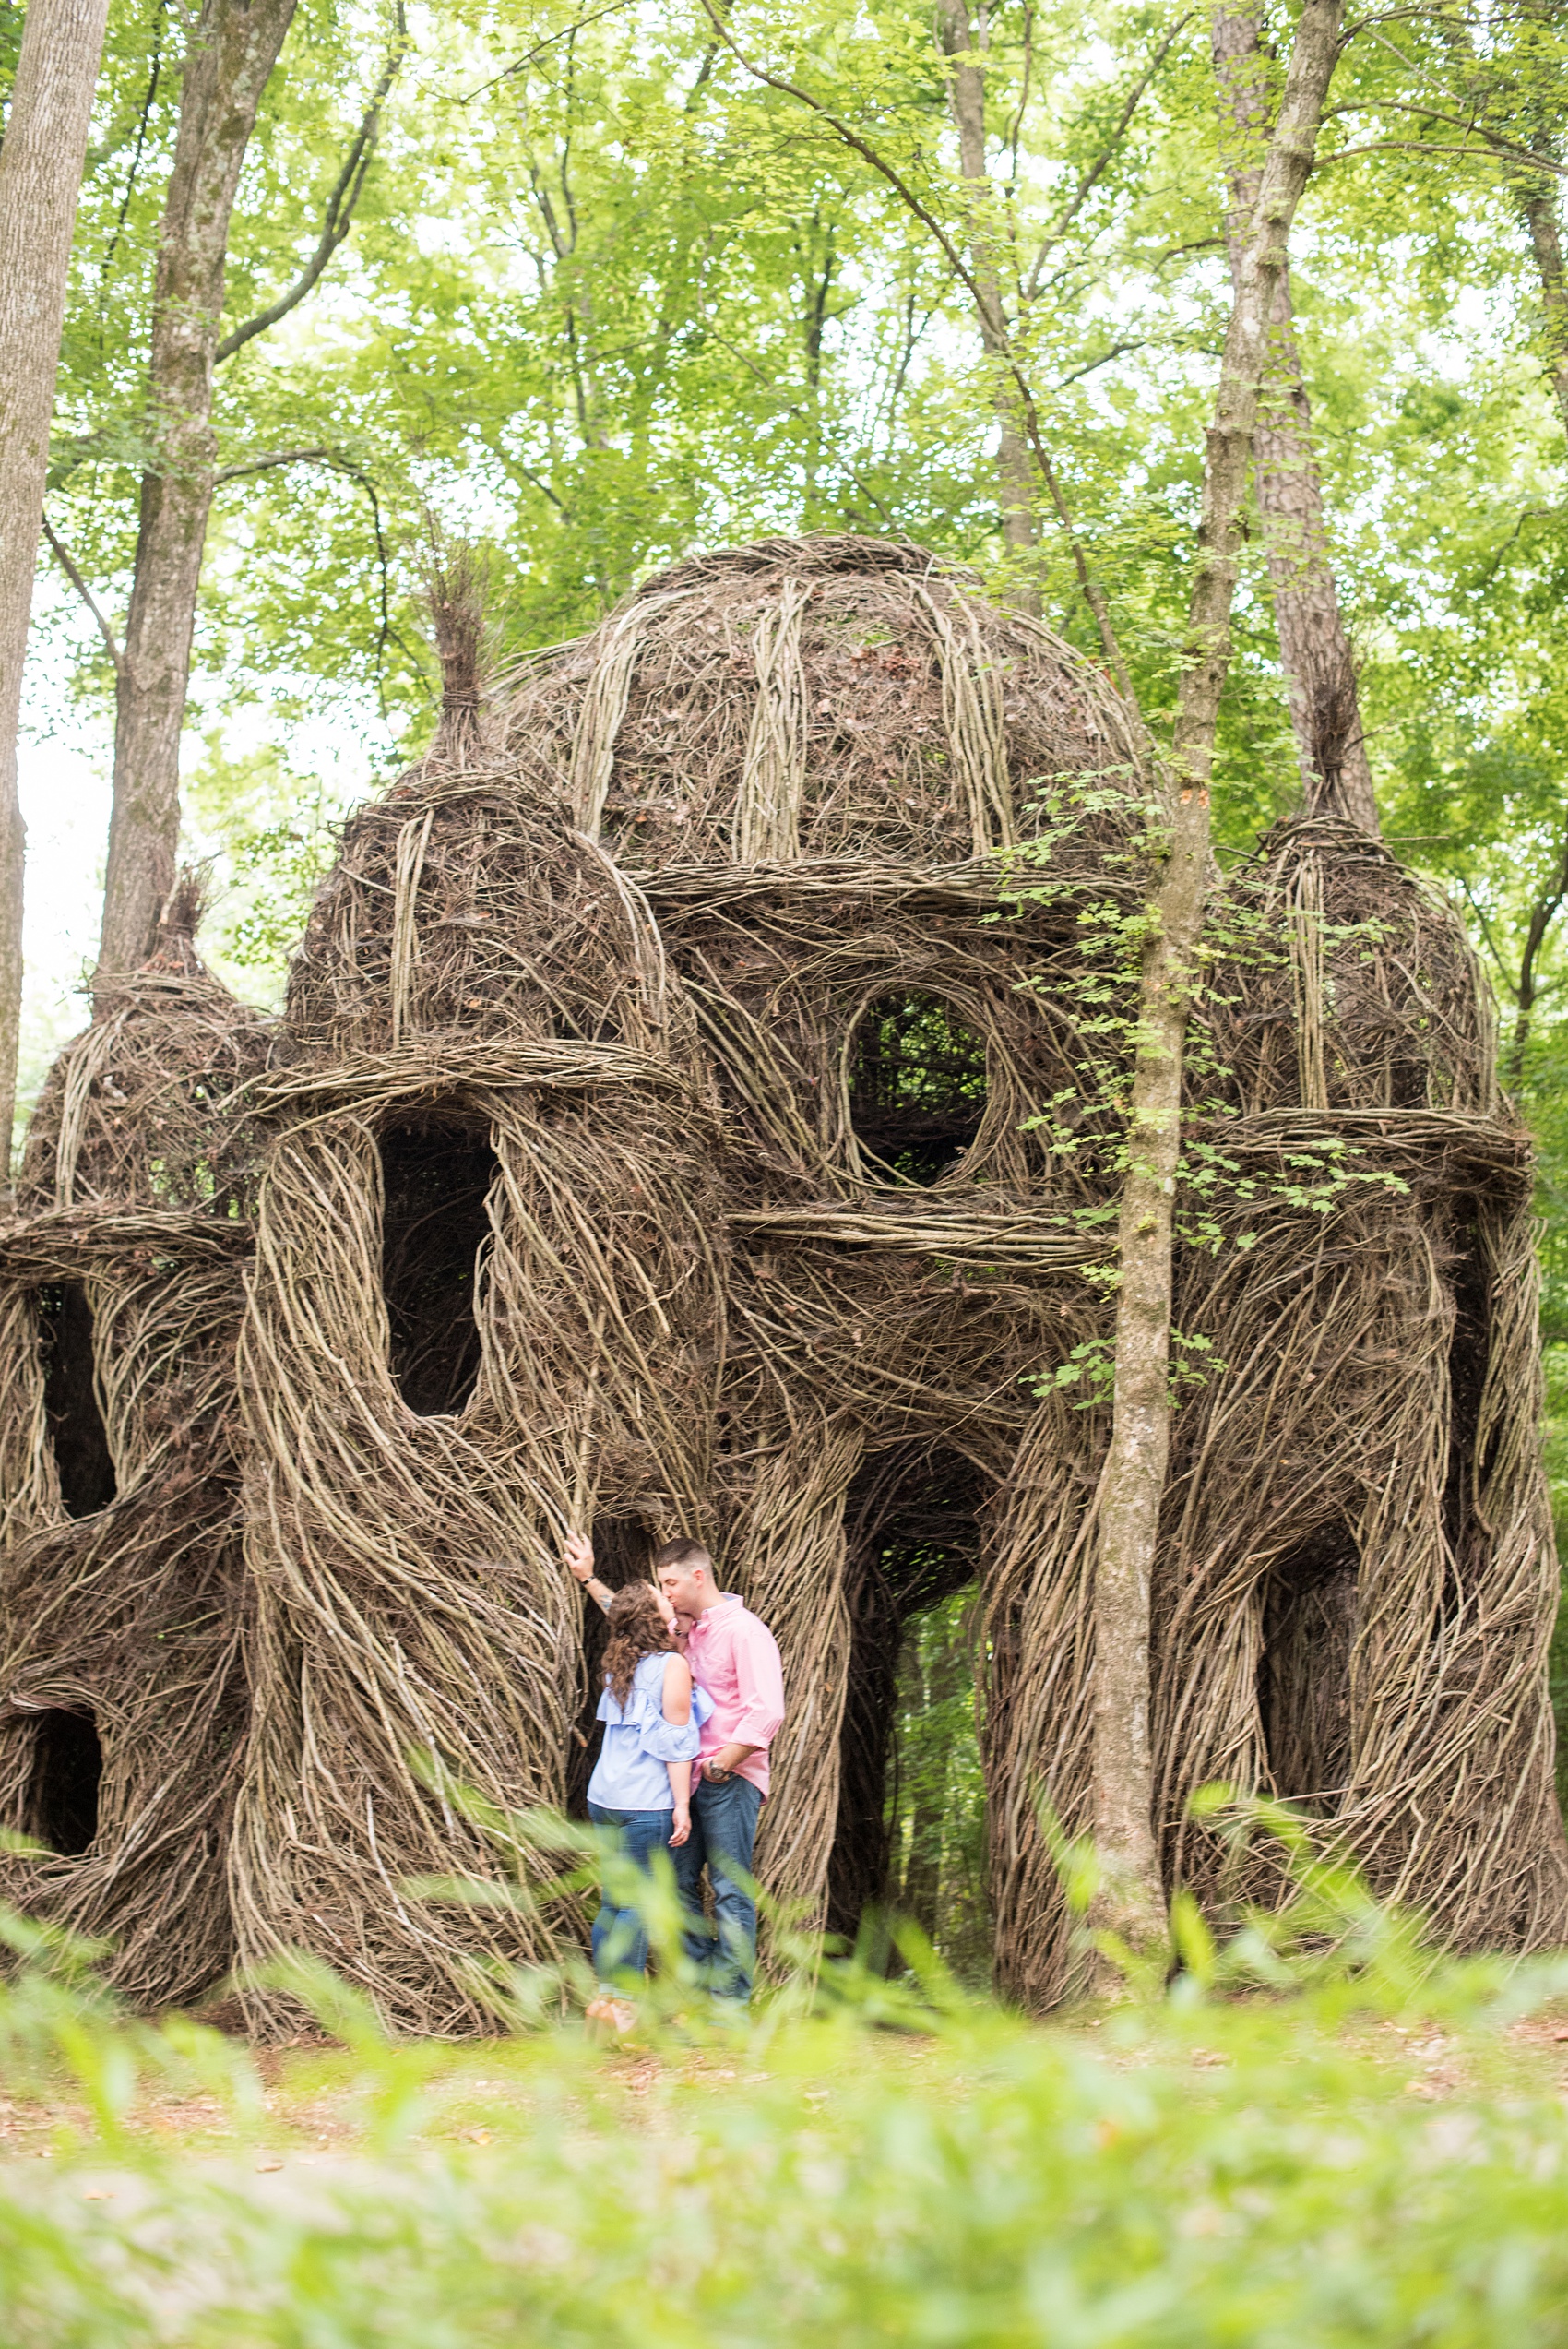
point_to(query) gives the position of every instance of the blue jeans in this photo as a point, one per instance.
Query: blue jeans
(722, 1838)
(620, 1936)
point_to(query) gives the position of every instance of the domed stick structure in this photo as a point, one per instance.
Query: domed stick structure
(122, 1605)
(698, 1105)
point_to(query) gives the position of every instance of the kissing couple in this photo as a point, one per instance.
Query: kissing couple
(691, 1676)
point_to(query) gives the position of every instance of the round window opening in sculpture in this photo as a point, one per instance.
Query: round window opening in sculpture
(916, 1087)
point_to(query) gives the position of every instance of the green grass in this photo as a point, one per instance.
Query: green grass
(1318, 2137)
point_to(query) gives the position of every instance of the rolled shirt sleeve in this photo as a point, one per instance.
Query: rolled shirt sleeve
(759, 1687)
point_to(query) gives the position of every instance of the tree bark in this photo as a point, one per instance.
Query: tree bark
(1320, 670)
(1131, 1900)
(965, 40)
(1542, 215)
(232, 52)
(40, 175)
(1543, 913)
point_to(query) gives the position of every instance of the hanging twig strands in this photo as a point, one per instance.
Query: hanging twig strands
(784, 1193)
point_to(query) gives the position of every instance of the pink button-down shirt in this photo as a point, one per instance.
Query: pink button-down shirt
(734, 1657)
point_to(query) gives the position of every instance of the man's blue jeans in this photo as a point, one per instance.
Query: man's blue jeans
(620, 1936)
(722, 1838)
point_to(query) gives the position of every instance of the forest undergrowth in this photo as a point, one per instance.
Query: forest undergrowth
(1319, 2132)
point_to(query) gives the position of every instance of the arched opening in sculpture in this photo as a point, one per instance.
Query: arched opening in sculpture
(1309, 1627)
(910, 1830)
(436, 1173)
(67, 1765)
(1469, 1346)
(916, 1087)
(77, 1433)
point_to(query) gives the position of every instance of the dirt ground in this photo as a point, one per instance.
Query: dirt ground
(317, 2102)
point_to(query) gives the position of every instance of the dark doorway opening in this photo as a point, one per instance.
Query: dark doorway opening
(77, 1433)
(436, 1174)
(623, 1549)
(910, 1831)
(917, 1086)
(1309, 1627)
(1468, 1351)
(67, 1765)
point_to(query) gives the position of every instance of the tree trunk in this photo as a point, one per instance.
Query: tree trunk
(1541, 213)
(1543, 913)
(1130, 1898)
(963, 41)
(41, 176)
(1320, 670)
(232, 52)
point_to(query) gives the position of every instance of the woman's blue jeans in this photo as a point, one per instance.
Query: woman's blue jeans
(620, 1936)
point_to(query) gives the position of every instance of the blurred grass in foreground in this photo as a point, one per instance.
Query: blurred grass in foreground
(1236, 2158)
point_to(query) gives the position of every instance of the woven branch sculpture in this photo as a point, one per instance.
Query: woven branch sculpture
(696, 1105)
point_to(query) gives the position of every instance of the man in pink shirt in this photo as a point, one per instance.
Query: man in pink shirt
(734, 1657)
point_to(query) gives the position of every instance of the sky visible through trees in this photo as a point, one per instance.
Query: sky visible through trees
(588, 286)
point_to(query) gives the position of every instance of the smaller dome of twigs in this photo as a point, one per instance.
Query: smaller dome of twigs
(1355, 988)
(150, 1105)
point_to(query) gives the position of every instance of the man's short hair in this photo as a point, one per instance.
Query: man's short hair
(684, 1553)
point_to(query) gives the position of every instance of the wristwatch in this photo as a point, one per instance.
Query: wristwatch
(715, 1776)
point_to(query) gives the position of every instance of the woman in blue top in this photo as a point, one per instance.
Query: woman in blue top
(642, 1782)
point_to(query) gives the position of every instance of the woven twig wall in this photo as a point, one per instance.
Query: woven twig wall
(573, 1061)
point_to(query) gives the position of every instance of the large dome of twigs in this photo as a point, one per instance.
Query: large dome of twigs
(687, 1116)
(828, 696)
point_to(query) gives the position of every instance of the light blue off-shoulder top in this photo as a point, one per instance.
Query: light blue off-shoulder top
(630, 1774)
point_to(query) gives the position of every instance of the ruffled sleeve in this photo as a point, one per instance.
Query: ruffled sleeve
(666, 1741)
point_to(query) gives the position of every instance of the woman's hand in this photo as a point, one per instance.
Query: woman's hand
(579, 1557)
(683, 1823)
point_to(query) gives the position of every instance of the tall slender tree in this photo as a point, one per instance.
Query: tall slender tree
(41, 173)
(965, 38)
(1320, 668)
(234, 47)
(1131, 1900)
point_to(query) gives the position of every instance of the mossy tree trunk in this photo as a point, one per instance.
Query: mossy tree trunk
(234, 47)
(1320, 669)
(1131, 1900)
(965, 38)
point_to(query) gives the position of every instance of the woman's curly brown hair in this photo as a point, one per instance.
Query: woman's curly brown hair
(637, 1629)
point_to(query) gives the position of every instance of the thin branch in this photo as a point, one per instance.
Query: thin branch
(542, 486)
(1467, 124)
(82, 589)
(339, 215)
(520, 65)
(1075, 374)
(338, 463)
(1087, 585)
(1090, 179)
(1432, 147)
(274, 456)
(156, 64)
(804, 416)
(1492, 949)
